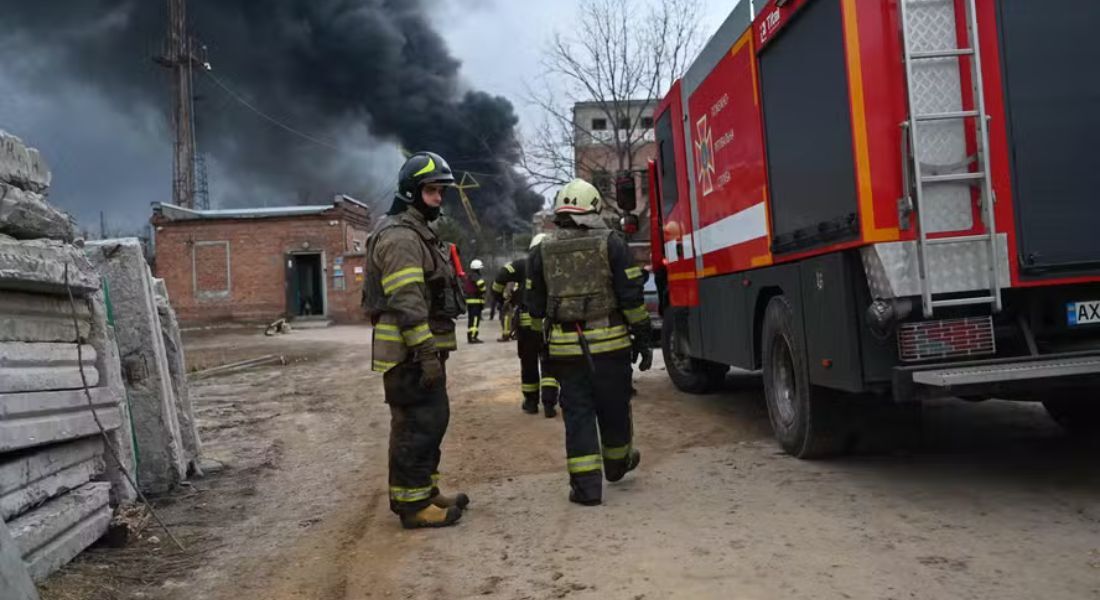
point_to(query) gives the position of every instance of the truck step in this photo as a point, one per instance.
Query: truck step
(1021, 371)
(953, 178)
(946, 116)
(964, 239)
(951, 52)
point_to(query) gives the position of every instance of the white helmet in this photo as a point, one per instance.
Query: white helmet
(535, 241)
(476, 265)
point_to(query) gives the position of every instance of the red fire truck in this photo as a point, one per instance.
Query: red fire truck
(887, 200)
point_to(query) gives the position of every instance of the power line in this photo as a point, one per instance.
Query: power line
(268, 117)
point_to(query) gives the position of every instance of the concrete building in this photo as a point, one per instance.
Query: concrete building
(262, 264)
(607, 140)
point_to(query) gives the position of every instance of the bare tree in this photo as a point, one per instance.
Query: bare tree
(619, 52)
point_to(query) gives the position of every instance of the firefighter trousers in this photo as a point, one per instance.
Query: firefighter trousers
(535, 376)
(598, 427)
(473, 319)
(418, 422)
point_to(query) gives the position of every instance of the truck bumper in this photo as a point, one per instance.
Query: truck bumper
(1008, 378)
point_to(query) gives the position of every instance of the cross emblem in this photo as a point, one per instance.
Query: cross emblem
(704, 147)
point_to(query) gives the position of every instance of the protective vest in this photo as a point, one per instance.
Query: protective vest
(577, 270)
(443, 300)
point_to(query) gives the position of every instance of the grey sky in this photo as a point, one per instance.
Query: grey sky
(116, 158)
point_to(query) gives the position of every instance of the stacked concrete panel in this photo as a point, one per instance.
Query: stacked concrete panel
(56, 475)
(144, 358)
(177, 367)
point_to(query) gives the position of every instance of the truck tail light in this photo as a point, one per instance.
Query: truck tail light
(947, 338)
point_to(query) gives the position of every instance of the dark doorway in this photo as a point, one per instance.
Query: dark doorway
(304, 285)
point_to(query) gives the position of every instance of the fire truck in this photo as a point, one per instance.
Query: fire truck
(880, 202)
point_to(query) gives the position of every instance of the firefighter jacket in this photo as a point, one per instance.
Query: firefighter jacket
(582, 281)
(516, 272)
(411, 292)
(479, 297)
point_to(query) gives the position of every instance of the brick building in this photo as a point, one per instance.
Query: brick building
(609, 138)
(260, 264)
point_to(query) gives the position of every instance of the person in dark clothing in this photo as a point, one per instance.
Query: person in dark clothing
(581, 280)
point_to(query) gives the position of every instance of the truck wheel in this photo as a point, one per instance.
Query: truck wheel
(691, 375)
(1078, 412)
(805, 420)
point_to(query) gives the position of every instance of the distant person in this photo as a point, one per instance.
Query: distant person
(475, 301)
(413, 297)
(582, 281)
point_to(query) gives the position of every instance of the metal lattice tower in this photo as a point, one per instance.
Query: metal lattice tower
(202, 183)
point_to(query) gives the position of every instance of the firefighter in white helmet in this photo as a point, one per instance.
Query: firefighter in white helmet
(581, 280)
(474, 287)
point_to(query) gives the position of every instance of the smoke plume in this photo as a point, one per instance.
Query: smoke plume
(355, 75)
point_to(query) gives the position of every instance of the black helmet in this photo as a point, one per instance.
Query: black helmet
(420, 169)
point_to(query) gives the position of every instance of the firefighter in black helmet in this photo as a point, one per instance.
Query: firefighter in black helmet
(581, 280)
(413, 297)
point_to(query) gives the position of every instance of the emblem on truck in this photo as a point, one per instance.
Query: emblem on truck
(704, 155)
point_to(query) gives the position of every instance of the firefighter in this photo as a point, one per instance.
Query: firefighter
(535, 379)
(413, 297)
(581, 280)
(475, 301)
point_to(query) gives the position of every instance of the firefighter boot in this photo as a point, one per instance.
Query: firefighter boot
(431, 516)
(549, 410)
(531, 404)
(461, 500)
(631, 463)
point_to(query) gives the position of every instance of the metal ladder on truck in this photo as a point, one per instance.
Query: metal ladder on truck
(980, 178)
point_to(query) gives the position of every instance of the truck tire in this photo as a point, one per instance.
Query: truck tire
(806, 420)
(691, 375)
(1078, 412)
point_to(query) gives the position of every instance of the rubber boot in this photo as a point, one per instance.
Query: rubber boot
(549, 410)
(635, 458)
(531, 405)
(431, 516)
(460, 500)
(593, 502)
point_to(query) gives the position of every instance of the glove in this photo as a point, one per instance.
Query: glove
(431, 371)
(641, 349)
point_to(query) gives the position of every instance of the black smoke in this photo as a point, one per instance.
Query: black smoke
(357, 75)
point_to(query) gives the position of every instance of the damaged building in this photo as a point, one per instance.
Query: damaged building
(263, 264)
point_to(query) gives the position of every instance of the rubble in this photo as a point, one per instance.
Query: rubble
(22, 166)
(25, 215)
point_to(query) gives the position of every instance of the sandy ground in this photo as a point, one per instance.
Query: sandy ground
(996, 503)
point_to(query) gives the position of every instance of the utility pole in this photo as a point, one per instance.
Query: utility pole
(180, 59)
(102, 226)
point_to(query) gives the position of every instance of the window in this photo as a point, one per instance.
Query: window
(666, 164)
(647, 123)
(624, 123)
(599, 124)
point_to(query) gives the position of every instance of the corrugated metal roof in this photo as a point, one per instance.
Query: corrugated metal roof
(174, 212)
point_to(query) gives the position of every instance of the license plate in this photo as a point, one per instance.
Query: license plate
(1083, 313)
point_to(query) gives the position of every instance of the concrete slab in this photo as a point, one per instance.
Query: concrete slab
(177, 366)
(29, 479)
(26, 367)
(33, 419)
(22, 166)
(15, 581)
(108, 364)
(39, 318)
(39, 266)
(53, 534)
(144, 362)
(26, 215)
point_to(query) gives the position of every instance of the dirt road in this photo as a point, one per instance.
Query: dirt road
(998, 503)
